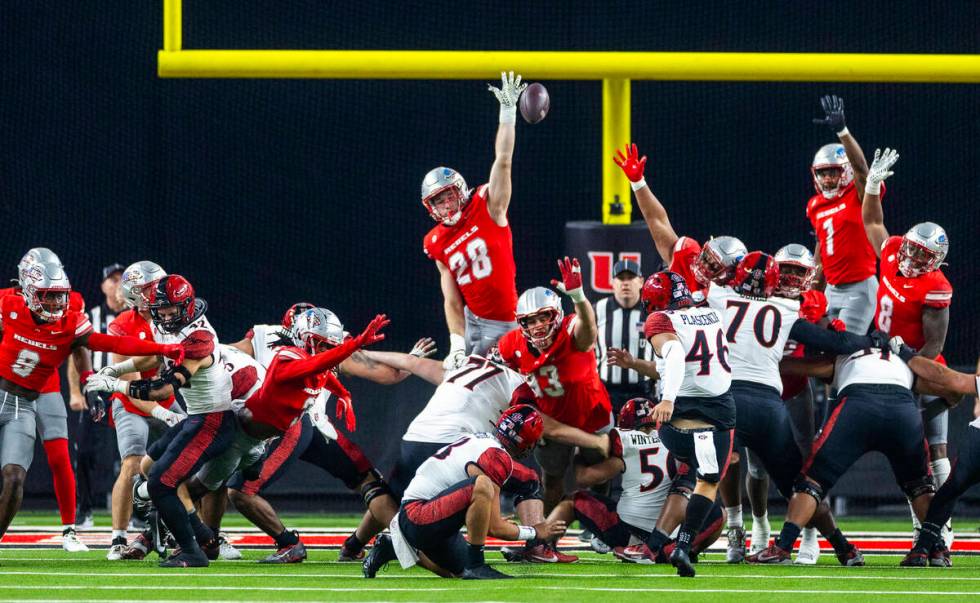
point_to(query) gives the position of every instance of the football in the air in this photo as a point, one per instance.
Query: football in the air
(534, 103)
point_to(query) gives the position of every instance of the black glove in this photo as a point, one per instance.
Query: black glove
(833, 107)
(879, 339)
(96, 405)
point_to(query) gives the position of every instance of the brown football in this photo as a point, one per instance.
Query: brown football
(534, 103)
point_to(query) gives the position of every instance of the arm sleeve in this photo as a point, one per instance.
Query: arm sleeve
(833, 342)
(524, 484)
(300, 369)
(657, 323)
(673, 377)
(125, 346)
(496, 464)
(198, 345)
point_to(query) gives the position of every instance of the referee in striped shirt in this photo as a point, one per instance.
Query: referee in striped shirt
(620, 320)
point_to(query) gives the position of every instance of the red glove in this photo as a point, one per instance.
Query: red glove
(631, 163)
(371, 332)
(345, 407)
(837, 325)
(813, 305)
(571, 279)
(174, 351)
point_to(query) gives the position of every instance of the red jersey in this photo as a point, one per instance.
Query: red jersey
(279, 402)
(480, 255)
(130, 323)
(845, 252)
(901, 299)
(565, 380)
(686, 251)
(31, 353)
(813, 307)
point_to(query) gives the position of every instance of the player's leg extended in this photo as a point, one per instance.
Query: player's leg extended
(937, 434)
(52, 423)
(17, 434)
(757, 488)
(854, 303)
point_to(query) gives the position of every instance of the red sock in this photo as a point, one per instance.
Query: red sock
(64, 478)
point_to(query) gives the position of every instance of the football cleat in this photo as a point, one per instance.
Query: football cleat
(680, 560)
(158, 533)
(212, 549)
(225, 550)
(638, 553)
(772, 555)
(115, 552)
(294, 553)
(563, 557)
(915, 558)
(381, 553)
(182, 559)
(852, 558)
(736, 545)
(599, 546)
(71, 543)
(939, 557)
(526, 554)
(87, 522)
(137, 549)
(484, 572)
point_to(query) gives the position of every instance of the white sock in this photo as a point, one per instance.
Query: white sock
(68, 526)
(734, 516)
(760, 520)
(809, 537)
(916, 524)
(940, 471)
(118, 534)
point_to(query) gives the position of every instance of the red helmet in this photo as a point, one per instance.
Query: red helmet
(294, 311)
(519, 429)
(756, 275)
(173, 291)
(665, 290)
(636, 413)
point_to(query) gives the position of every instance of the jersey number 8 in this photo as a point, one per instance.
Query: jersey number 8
(25, 363)
(479, 262)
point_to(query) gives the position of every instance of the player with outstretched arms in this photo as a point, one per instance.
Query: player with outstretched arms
(472, 245)
(700, 266)
(845, 258)
(460, 485)
(41, 327)
(913, 299)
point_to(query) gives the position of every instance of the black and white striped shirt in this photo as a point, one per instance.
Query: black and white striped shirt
(620, 327)
(100, 315)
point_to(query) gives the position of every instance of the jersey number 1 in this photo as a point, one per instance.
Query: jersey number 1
(479, 262)
(828, 225)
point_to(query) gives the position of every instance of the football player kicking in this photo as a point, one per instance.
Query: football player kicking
(913, 299)
(555, 353)
(41, 327)
(758, 325)
(460, 485)
(472, 245)
(875, 411)
(650, 477)
(700, 266)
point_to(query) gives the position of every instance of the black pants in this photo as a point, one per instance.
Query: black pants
(764, 426)
(95, 455)
(965, 473)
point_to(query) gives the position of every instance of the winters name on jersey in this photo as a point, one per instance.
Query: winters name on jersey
(699, 320)
(638, 439)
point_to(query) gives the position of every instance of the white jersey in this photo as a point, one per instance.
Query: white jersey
(873, 367)
(263, 336)
(246, 374)
(646, 478)
(209, 389)
(756, 331)
(448, 466)
(469, 400)
(976, 422)
(702, 336)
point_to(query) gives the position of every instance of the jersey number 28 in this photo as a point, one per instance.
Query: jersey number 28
(478, 263)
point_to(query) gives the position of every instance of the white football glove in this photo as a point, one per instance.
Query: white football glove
(100, 382)
(119, 369)
(457, 352)
(424, 348)
(166, 415)
(879, 170)
(508, 95)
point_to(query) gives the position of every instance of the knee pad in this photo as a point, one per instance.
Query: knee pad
(805, 486)
(683, 486)
(375, 488)
(530, 490)
(918, 487)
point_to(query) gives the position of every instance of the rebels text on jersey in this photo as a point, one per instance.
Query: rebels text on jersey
(469, 400)
(480, 254)
(209, 389)
(450, 465)
(872, 366)
(845, 252)
(31, 352)
(701, 332)
(565, 380)
(129, 323)
(756, 331)
(901, 300)
(647, 477)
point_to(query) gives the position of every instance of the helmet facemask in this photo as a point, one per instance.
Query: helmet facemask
(794, 279)
(49, 304)
(541, 333)
(445, 205)
(915, 259)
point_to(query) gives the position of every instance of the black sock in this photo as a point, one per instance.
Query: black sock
(698, 509)
(839, 542)
(474, 556)
(119, 540)
(929, 536)
(787, 537)
(353, 543)
(287, 538)
(202, 533)
(173, 513)
(530, 544)
(657, 540)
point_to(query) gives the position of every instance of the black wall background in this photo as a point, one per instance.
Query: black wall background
(267, 192)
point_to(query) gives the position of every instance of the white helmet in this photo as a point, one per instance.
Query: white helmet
(832, 156)
(134, 278)
(33, 256)
(436, 182)
(45, 288)
(315, 326)
(718, 259)
(800, 268)
(539, 300)
(923, 249)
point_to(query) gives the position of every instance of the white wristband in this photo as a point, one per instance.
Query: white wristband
(124, 367)
(577, 295)
(872, 187)
(161, 413)
(843, 132)
(526, 533)
(457, 343)
(508, 115)
(638, 185)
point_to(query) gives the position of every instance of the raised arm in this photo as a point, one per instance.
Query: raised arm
(653, 211)
(871, 212)
(833, 107)
(498, 198)
(585, 329)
